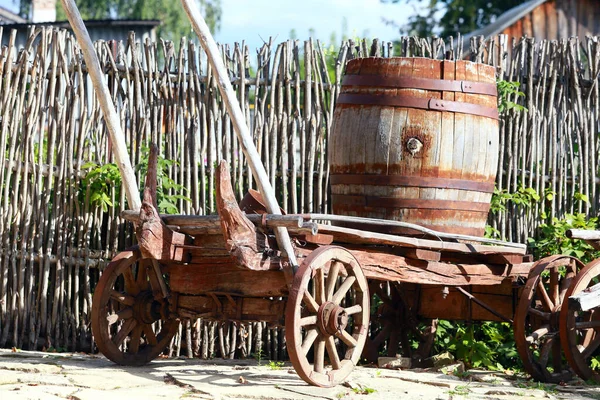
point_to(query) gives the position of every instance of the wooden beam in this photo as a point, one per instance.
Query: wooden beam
(113, 122)
(586, 299)
(355, 236)
(239, 124)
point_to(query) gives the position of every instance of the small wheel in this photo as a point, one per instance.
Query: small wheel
(536, 322)
(124, 311)
(395, 327)
(327, 317)
(580, 330)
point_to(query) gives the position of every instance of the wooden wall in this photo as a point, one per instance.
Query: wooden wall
(557, 19)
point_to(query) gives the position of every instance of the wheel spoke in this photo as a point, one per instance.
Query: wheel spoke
(320, 286)
(127, 327)
(591, 348)
(319, 355)
(312, 320)
(544, 296)
(332, 279)
(545, 352)
(346, 338)
(310, 302)
(142, 274)
(332, 351)
(539, 313)
(122, 298)
(130, 284)
(381, 336)
(355, 309)
(557, 355)
(125, 313)
(537, 334)
(344, 287)
(309, 339)
(587, 325)
(134, 342)
(554, 285)
(150, 335)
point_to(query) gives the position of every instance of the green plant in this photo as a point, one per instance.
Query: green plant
(552, 238)
(99, 180)
(275, 365)
(525, 197)
(506, 91)
(460, 390)
(363, 390)
(258, 356)
(486, 345)
(168, 192)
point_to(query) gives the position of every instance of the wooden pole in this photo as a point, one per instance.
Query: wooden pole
(104, 98)
(239, 124)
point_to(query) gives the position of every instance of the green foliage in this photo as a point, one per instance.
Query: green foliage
(99, 180)
(487, 345)
(460, 390)
(526, 197)
(552, 239)
(449, 17)
(363, 390)
(275, 365)
(167, 191)
(506, 91)
(175, 22)
(258, 356)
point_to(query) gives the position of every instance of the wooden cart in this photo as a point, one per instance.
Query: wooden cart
(228, 268)
(238, 267)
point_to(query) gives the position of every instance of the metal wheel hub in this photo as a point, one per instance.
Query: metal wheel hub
(331, 318)
(146, 309)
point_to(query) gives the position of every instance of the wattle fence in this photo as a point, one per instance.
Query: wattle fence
(59, 227)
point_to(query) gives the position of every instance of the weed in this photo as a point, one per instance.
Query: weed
(363, 390)
(275, 365)
(258, 356)
(460, 390)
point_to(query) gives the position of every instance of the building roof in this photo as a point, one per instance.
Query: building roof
(90, 23)
(10, 17)
(505, 20)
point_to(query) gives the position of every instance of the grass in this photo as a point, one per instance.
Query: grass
(275, 365)
(460, 390)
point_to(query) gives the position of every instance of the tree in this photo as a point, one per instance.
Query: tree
(175, 23)
(449, 17)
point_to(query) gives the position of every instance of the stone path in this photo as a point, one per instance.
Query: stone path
(37, 375)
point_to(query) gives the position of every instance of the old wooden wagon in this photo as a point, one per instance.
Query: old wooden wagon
(315, 274)
(229, 268)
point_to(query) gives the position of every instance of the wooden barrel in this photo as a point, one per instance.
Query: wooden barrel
(416, 140)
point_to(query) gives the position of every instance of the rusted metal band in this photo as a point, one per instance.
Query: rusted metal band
(417, 102)
(424, 204)
(400, 82)
(412, 181)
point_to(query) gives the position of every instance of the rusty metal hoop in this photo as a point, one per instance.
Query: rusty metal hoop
(323, 317)
(395, 326)
(536, 322)
(124, 311)
(579, 330)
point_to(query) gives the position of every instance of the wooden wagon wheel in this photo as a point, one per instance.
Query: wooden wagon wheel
(396, 325)
(327, 316)
(580, 330)
(124, 311)
(536, 322)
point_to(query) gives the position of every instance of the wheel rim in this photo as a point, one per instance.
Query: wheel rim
(322, 321)
(125, 312)
(579, 330)
(396, 326)
(536, 323)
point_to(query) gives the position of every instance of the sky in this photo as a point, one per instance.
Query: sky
(255, 20)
